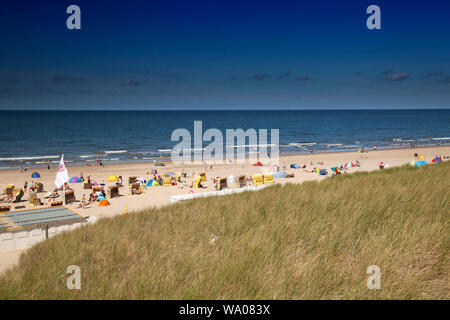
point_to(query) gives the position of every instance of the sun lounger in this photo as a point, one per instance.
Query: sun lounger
(113, 191)
(69, 196)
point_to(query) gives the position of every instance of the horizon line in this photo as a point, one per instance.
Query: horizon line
(233, 109)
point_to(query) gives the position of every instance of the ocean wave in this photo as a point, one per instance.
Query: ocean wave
(332, 144)
(88, 156)
(29, 158)
(302, 144)
(115, 151)
(253, 145)
(444, 138)
(350, 146)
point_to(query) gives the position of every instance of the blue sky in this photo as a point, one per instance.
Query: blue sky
(224, 54)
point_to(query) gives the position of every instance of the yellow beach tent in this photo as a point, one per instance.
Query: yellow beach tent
(112, 178)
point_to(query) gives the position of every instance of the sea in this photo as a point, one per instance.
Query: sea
(33, 138)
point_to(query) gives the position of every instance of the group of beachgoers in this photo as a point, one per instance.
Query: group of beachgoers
(98, 162)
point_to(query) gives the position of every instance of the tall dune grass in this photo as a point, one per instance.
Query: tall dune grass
(308, 241)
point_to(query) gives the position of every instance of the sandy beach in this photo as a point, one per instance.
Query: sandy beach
(160, 196)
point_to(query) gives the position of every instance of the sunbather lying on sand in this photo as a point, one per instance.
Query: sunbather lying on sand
(83, 203)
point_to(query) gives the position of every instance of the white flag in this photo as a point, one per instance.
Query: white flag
(62, 176)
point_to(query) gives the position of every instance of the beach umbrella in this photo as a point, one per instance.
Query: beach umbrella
(112, 178)
(35, 175)
(75, 180)
(436, 159)
(152, 183)
(294, 166)
(258, 164)
(420, 163)
(412, 163)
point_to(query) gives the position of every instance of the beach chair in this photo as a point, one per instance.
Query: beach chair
(197, 182)
(203, 177)
(113, 191)
(167, 182)
(241, 182)
(9, 189)
(56, 203)
(5, 208)
(222, 183)
(135, 186)
(87, 184)
(257, 179)
(69, 196)
(98, 189)
(39, 187)
(267, 178)
(18, 194)
(32, 197)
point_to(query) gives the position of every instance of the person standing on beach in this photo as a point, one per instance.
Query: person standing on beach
(25, 186)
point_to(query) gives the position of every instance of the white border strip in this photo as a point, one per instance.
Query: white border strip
(174, 199)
